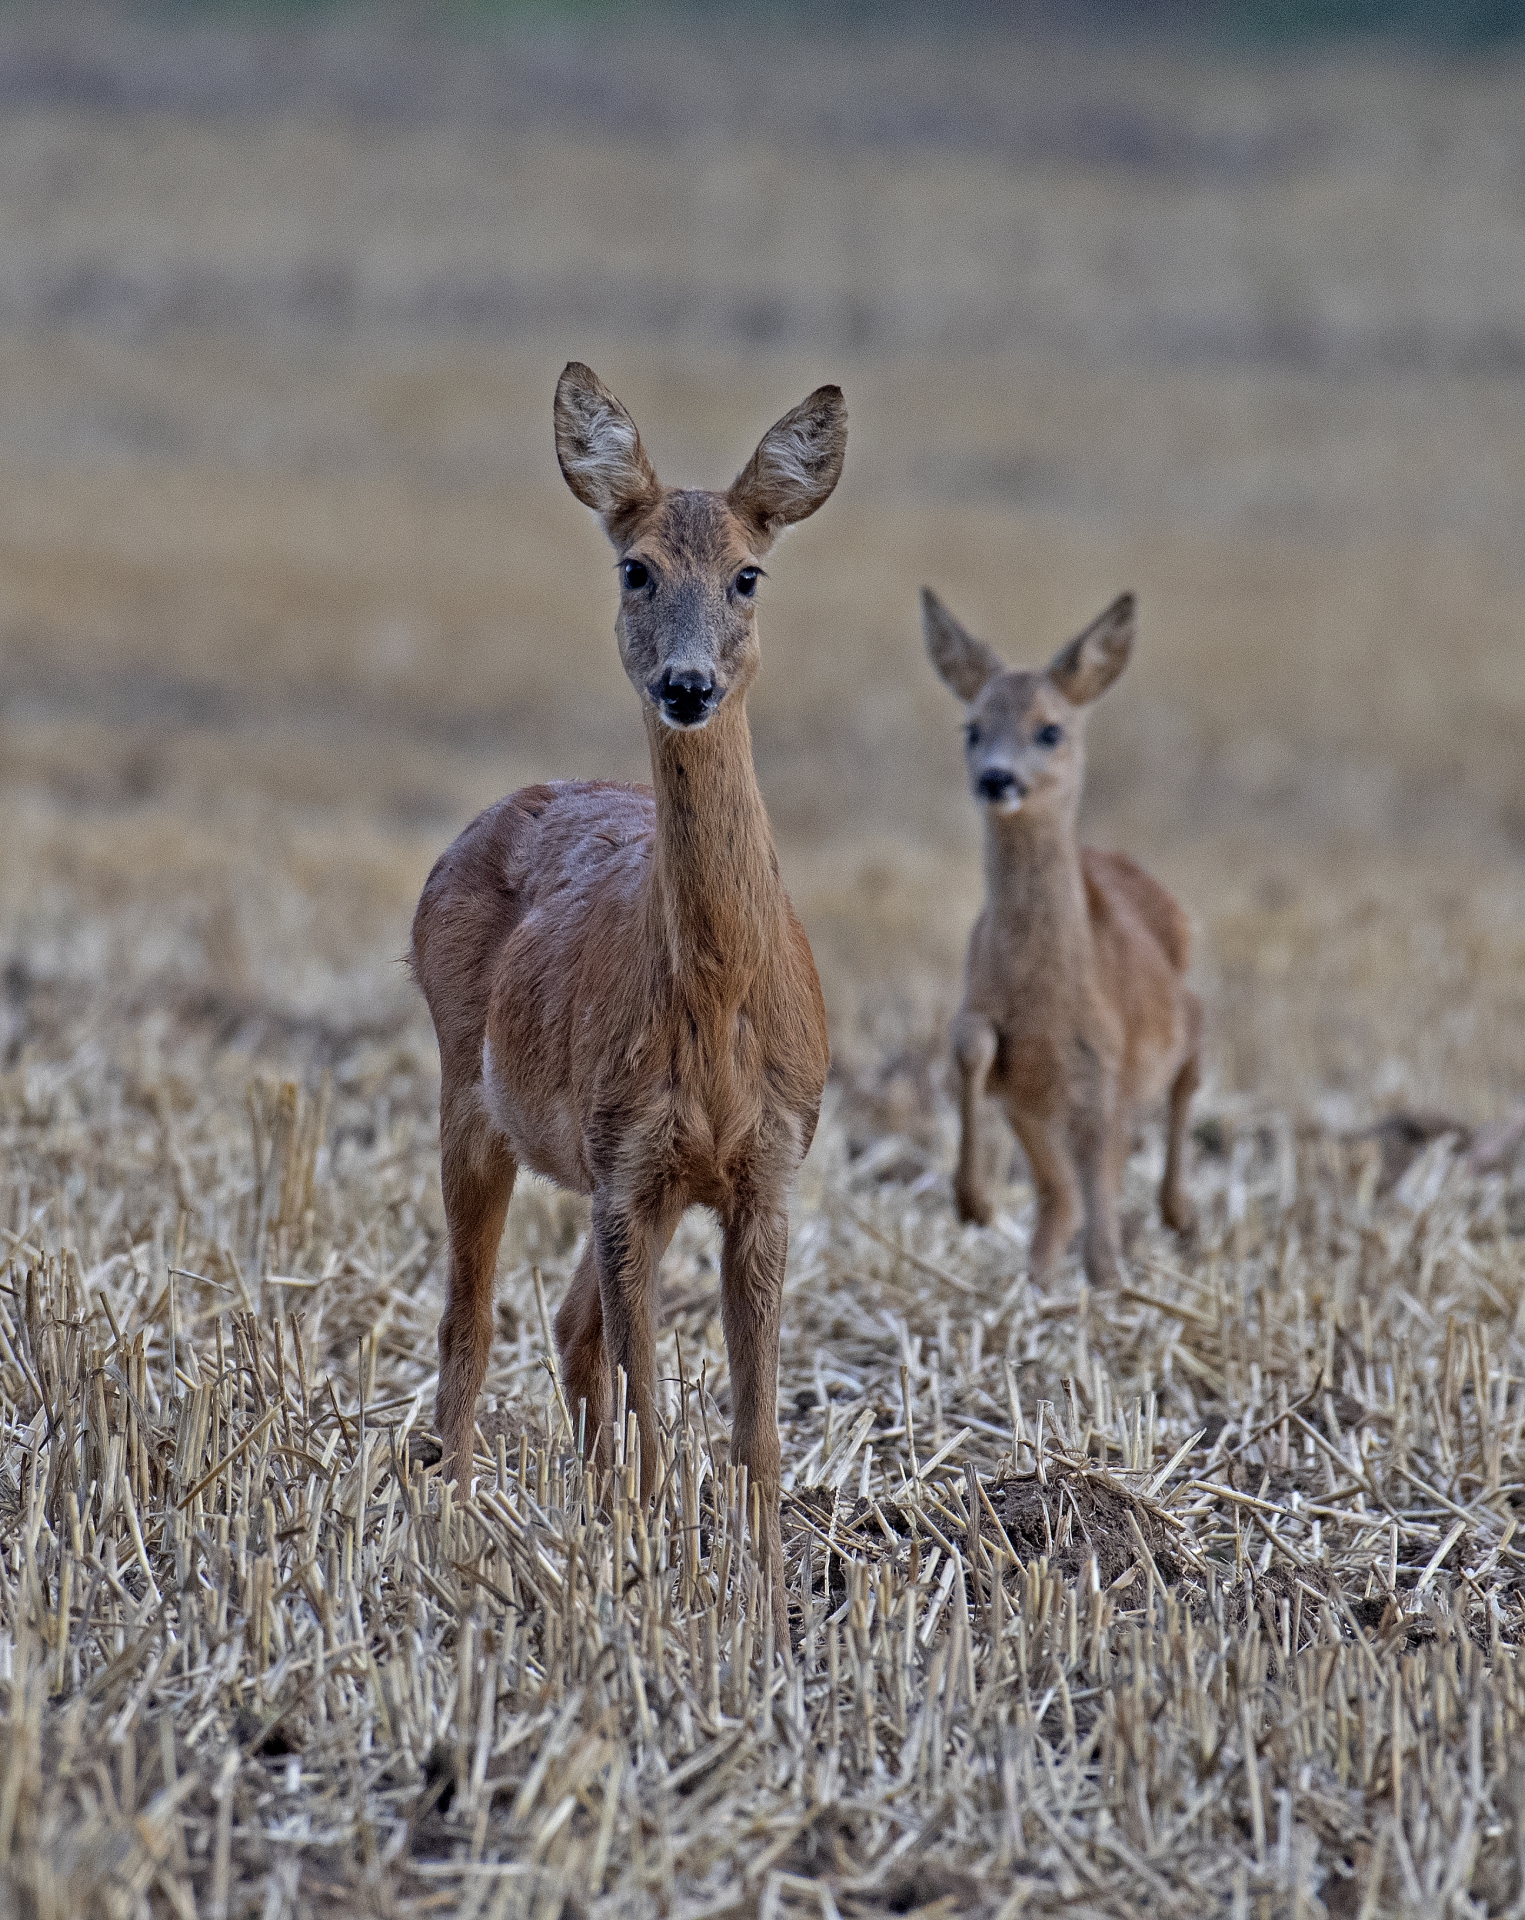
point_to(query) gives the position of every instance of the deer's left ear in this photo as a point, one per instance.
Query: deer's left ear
(796, 465)
(1083, 670)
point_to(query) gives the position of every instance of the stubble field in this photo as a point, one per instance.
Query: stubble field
(1200, 1599)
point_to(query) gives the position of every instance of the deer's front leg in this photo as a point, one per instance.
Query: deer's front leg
(1056, 1187)
(1101, 1153)
(974, 1050)
(751, 1305)
(628, 1241)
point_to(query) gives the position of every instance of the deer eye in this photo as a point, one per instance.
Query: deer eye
(1049, 736)
(972, 733)
(746, 581)
(635, 575)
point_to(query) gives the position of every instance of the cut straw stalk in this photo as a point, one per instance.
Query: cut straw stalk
(245, 1544)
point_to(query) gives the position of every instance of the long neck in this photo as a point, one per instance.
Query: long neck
(1034, 887)
(715, 890)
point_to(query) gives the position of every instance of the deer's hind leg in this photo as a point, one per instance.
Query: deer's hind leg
(477, 1173)
(1176, 1209)
(584, 1362)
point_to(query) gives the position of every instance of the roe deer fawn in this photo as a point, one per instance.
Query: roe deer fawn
(623, 997)
(1075, 1007)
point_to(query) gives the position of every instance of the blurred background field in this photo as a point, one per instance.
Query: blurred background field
(290, 584)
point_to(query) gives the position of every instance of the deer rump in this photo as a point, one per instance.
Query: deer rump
(528, 951)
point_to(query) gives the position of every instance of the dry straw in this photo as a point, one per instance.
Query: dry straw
(1200, 1599)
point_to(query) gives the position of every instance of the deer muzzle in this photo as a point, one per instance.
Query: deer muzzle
(686, 698)
(1000, 787)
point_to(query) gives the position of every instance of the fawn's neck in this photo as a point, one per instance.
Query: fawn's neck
(1035, 890)
(715, 891)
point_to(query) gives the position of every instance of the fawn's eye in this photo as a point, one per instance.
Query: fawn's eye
(1049, 736)
(746, 581)
(636, 575)
(972, 733)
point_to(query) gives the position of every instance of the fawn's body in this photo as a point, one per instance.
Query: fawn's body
(624, 999)
(1075, 1010)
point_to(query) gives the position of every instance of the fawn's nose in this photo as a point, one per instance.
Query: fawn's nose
(1000, 783)
(684, 697)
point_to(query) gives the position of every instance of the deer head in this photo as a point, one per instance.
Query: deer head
(1024, 732)
(690, 561)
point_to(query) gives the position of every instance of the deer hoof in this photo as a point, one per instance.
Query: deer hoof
(974, 1209)
(1103, 1269)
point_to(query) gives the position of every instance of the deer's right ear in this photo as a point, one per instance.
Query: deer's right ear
(963, 662)
(600, 451)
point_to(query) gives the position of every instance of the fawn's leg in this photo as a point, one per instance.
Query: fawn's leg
(628, 1241)
(1101, 1153)
(1058, 1189)
(584, 1364)
(974, 1049)
(752, 1261)
(477, 1175)
(1176, 1209)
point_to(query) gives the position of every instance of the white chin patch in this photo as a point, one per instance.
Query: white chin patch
(1008, 803)
(685, 726)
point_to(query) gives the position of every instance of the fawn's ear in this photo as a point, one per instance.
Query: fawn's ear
(1083, 670)
(963, 662)
(600, 451)
(796, 465)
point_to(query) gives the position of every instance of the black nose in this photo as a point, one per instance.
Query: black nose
(684, 697)
(996, 782)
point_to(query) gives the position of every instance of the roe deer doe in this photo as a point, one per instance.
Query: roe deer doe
(623, 997)
(1075, 1009)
